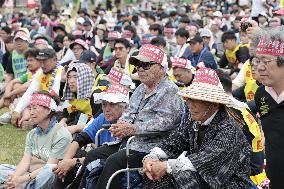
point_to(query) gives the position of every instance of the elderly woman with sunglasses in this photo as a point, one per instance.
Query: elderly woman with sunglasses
(153, 107)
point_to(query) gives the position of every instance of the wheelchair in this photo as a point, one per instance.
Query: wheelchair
(127, 170)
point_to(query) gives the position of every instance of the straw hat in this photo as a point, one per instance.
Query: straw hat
(206, 86)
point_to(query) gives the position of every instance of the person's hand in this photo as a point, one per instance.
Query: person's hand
(121, 130)
(201, 65)
(72, 128)
(63, 167)
(14, 181)
(158, 170)
(15, 118)
(147, 167)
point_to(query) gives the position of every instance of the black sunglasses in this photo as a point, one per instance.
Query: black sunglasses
(145, 65)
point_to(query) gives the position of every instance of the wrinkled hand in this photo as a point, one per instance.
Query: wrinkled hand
(121, 130)
(15, 118)
(14, 181)
(63, 167)
(154, 169)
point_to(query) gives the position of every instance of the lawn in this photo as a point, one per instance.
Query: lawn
(12, 143)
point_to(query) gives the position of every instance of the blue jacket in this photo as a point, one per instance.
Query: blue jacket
(96, 125)
(204, 56)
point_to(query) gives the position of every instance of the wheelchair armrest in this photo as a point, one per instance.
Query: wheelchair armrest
(154, 134)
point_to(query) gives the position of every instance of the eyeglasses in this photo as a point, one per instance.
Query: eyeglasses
(145, 65)
(257, 61)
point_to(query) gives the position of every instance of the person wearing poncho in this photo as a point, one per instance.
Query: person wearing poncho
(207, 150)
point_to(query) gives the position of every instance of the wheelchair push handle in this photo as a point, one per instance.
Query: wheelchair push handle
(106, 126)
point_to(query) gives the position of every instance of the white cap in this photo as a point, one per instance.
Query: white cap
(116, 93)
(80, 20)
(205, 33)
(218, 14)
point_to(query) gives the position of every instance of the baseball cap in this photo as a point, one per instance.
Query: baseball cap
(45, 54)
(87, 23)
(181, 63)
(196, 39)
(22, 35)
(217, 14)
(80, 20)
(205, 33)
(88, 56)
(150, 53)
(116, 93)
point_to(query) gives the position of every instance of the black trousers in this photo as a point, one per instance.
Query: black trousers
(115, 160)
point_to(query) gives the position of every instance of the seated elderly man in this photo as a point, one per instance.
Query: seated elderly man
(154, 107)
(208, 150)
(114, 102)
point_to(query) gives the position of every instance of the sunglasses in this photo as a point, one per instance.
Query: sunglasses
(145, 65)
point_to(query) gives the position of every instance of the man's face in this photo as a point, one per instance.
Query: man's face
(48, 65)
(111, 43)
(3, 35)
(77, 49)
(87, 27)
(148, 72)
(20, 45)
(72, 81)
(196, 47)
(229, 44)
(180, 40)
(38, 114)
(79, 26)
(10, 46)
(112, 111)
(270, 74)
(33, 64)
(182, 75)
(199, 109)
(120, 50)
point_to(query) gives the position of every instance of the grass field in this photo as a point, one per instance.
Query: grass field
(12, 143)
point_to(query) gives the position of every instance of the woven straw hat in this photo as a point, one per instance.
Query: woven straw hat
(206, 86)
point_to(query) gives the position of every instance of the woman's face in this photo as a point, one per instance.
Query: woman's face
(100, 32)
(66, 41)
(10, 46)
(38, 114)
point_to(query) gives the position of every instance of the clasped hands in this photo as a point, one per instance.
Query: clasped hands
(154, 169)
(122, 129)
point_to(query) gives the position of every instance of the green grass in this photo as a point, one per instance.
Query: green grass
(12, 143)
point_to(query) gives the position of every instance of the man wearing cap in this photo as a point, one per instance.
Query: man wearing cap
(114, 103)
(208, 149)
(154, 107)
(199, 55)
(269, 101)
(107, 55)
(48, 80)
(183, 71)
(88, 30)
(17, 66)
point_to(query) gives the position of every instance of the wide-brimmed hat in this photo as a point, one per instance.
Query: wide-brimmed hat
(79, 42)
(150, 53)
(206, 86)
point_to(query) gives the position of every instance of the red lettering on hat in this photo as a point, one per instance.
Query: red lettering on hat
(206, 75)
(152, 52)
(41, 99)
(118, 89)
(272, 47)
(112, 35)
(115, 74)
(180, 62)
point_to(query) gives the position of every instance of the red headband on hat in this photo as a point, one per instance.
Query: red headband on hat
(41, 41)
(267, 46)
(43, 100)
(169, 30)
(112, 35)
(206, 75)
(117, 89)
(153, 52)
(181, 63)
